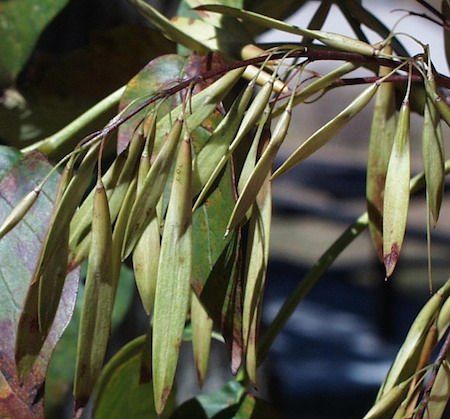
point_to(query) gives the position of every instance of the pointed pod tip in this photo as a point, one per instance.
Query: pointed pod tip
(391, 259)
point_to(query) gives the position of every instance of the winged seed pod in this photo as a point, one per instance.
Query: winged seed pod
(146, 252)
(19, 211)
(174, 278)
(382, 133)
(210, 155)
(328, 131)
(396, 193)
(251, 117)
(385, 406)
(256, 267)
(202, 326)
(152, 188)
(95, 321)
(409, 353)
(262, 169)
(433, 151)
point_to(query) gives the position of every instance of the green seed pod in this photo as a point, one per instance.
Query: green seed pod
(152, 188)
(408, 355)
(382, 134)
(210, 155)
(388, 403)
(146, 252)
(255, 273)
(202, 326)
(95, 322)
(251, 117)
(433, 152)
(328, 131)
(262, 169)
(174, 278)
(396, 194)
(19, 211)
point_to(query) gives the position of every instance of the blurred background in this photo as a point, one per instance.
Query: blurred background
(333, 354)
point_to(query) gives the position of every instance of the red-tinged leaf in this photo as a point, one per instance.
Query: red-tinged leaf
(19, 251)
(161, 73)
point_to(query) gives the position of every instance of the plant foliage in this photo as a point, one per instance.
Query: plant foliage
(178, 185)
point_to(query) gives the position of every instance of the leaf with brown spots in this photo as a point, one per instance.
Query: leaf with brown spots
(19, 251)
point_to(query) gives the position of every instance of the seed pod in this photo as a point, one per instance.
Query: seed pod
(146, 252)
(328, 131)
(340, 42)
(174, 277)
(256, 266)
(202, 326)
(408, 355)
(95, 322)
(51, 269)
(262, 170)
(152, 188)
(433, 152)
(388, 403)
(396, 194)
(19, 211)
(382, 133)
(210, 155)
(440, 391)
(252, 115)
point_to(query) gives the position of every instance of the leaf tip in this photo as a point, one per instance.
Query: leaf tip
(391, 259)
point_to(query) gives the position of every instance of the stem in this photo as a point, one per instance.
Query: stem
(51, 144)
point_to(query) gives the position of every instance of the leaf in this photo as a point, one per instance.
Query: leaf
(19, 251)
(446, 13)
(207, 406)
(252, 407)
(119, 393)
(174, 279)
(21, 23)
(333, 40)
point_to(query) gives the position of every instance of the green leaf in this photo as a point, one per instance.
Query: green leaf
(208, 405)
(119, 394)
(19, 251)
(21, 23)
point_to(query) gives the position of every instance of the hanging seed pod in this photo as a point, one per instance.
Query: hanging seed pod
(396, 194)
(51, 262)
(95, 322)
(433, 151)
(251, 117)
(202, 326)
(262, 169)
(19, 211)
(210, 155)
(152, 188)
(385, 406)
(256, 268)
(328, 131)
(382, 133)
(146, 252)
(174, 277)
(408, 355)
